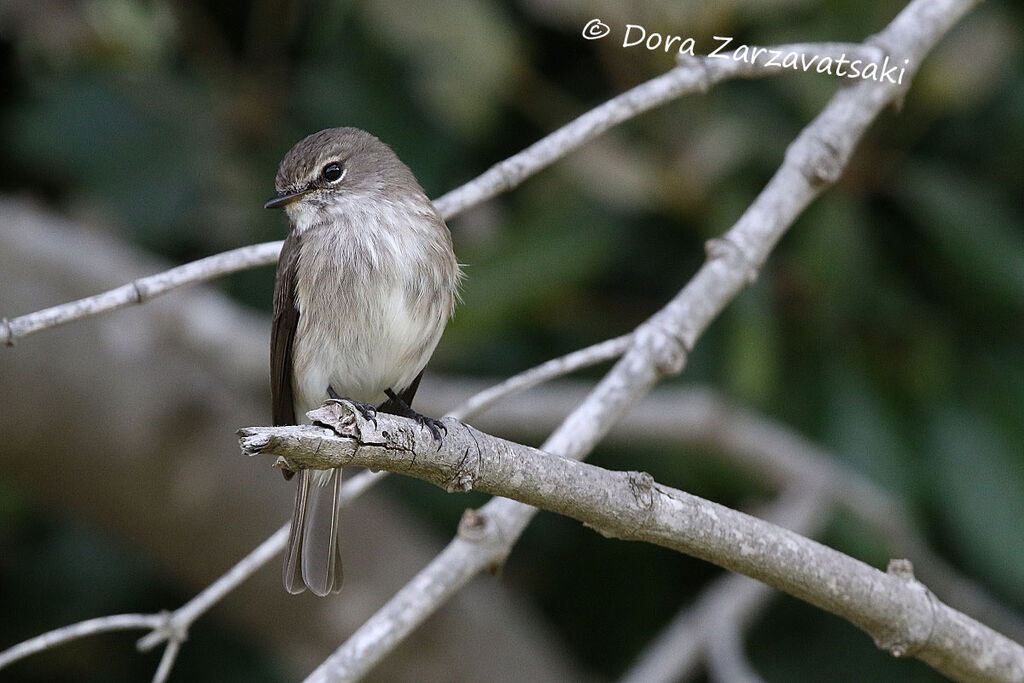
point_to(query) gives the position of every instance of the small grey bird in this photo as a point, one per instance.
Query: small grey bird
(366, 283)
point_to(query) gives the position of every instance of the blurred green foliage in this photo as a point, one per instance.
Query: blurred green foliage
(887, 326)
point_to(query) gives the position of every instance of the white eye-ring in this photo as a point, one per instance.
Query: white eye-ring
(333, 172)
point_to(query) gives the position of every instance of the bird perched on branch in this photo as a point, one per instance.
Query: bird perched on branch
(366, 282)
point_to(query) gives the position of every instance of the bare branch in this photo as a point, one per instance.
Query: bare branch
(902, 616)
(183, 617)
(660, 346)
(779, 455)
(115, 622)
(140, 291)
(569, 363)
(732, 598)
(692, 76)
(163, 671)
(727, 663)
(173, 628)
(700, 416)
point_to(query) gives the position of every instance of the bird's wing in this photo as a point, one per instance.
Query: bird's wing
(282, 333)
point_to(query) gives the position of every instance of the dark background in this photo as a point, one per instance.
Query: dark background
(887, 326)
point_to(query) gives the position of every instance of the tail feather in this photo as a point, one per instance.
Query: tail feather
(314, 549)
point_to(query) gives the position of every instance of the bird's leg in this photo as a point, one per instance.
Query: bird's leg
(402, 408)
(368, 411)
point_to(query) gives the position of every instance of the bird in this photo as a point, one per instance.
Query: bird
(366, 282)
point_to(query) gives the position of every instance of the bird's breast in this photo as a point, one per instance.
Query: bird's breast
(372, 304)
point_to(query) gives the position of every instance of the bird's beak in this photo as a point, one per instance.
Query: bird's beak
(284, 199)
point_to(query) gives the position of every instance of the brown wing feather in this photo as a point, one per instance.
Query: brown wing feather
(282, 333)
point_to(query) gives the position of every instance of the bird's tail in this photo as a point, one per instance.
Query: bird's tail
(314, 549)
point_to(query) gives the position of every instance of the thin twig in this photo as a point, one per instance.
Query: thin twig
(557, 367)
(140, 290)
(115, 622)
(163, 671)
(501, 177)
(693, 75)
(183, 617)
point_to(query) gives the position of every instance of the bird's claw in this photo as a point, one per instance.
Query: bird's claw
(435, 427)
(368, 411)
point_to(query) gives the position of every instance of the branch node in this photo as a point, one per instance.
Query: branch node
(901, 568)
(900, 642)
(141, 295)
(169, 631)
(733, 256)
(338, 415)
(462, 479)
(824, 167)
(473, 526)
(667, 349)
(641, 485)
(696, 64)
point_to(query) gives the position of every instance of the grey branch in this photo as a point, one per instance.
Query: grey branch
(732, 601)
(173, 627)
(557, 367)
(140, 290)
(693, 76)
(901, 615)
(182, 618)
(114, 622)
(696, 416)
(659, 346)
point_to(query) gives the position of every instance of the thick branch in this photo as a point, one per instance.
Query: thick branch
(699, 416)
(900, 614)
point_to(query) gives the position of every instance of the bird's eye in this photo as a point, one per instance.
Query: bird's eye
(332, 172)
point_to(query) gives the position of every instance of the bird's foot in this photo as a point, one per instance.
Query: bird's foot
(435, 426)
